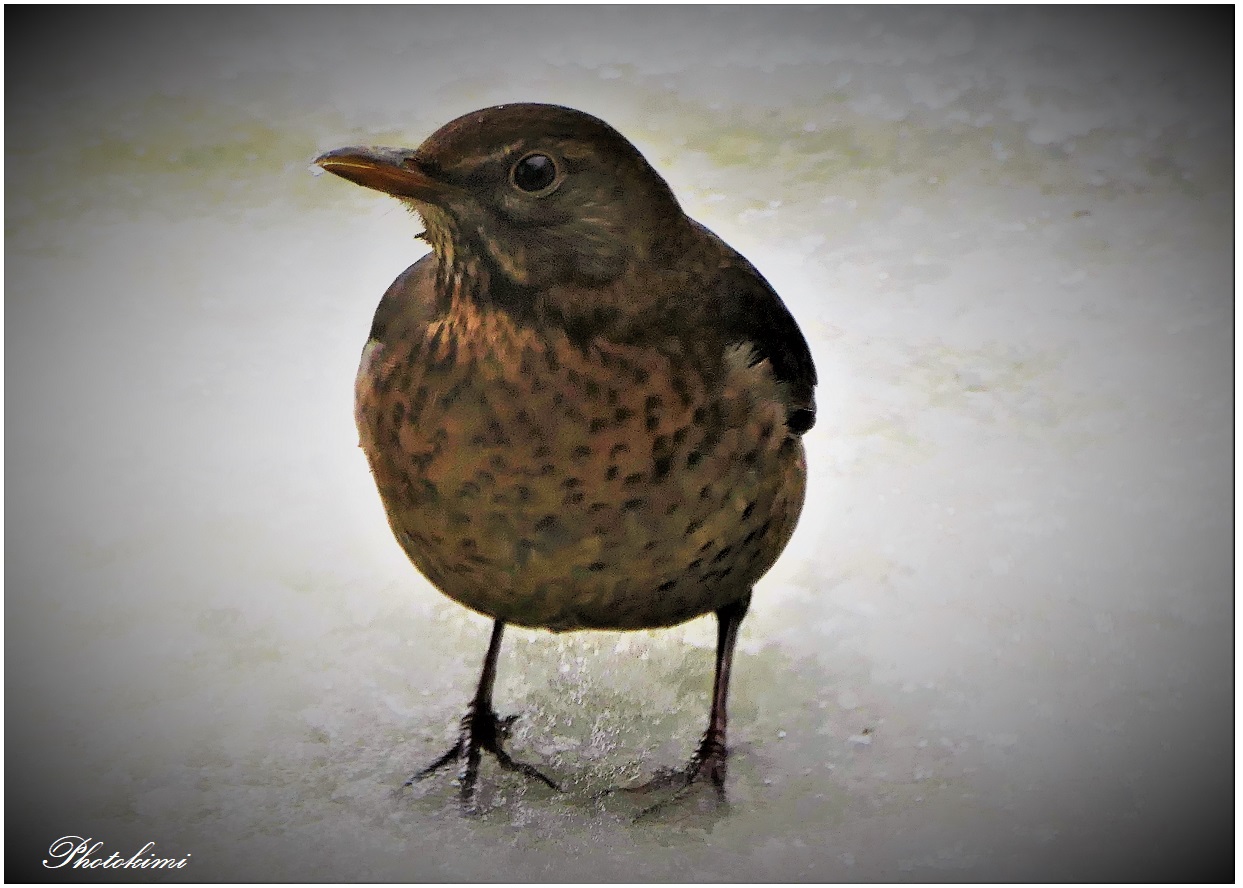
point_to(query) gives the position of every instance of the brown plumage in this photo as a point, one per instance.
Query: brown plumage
(582, 409)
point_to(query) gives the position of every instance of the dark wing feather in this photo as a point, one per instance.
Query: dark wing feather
(749, 310)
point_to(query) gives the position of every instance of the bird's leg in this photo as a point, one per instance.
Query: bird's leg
(710, 756)
(481, 731)
(709, 759)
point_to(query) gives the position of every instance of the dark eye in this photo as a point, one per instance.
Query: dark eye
(535, 172)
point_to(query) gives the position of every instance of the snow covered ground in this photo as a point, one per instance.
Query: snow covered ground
(1000, 644)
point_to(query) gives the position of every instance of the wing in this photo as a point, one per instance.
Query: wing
(403, 313)
(408, 302)
(749, 310)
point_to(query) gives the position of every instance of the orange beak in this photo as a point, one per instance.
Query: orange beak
(394, 171)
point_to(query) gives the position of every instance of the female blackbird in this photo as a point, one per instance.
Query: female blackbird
(582, 409)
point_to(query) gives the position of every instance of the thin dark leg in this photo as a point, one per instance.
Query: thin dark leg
(709, 759)
(712, 753)
(481, 731)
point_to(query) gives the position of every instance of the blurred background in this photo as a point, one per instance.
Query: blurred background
(1000, 644)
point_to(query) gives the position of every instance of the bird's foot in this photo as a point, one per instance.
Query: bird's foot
(708, 763)
(481, 732)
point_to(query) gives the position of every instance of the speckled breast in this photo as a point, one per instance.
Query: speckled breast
(565, 487)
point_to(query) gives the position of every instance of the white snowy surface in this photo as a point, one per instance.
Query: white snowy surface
(1000, 644)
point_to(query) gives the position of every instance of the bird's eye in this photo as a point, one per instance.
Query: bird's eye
(534, 173)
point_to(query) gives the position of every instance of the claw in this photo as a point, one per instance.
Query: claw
(708, 760)
(482, 732)
(523, 768)
(452, 755)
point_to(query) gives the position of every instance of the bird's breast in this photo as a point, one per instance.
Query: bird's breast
(552, 485)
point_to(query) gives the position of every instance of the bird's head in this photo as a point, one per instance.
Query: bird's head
(547, 196)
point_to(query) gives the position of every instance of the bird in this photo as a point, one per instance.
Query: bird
(582, 409)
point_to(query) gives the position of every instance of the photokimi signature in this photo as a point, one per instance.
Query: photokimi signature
(77, 852)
